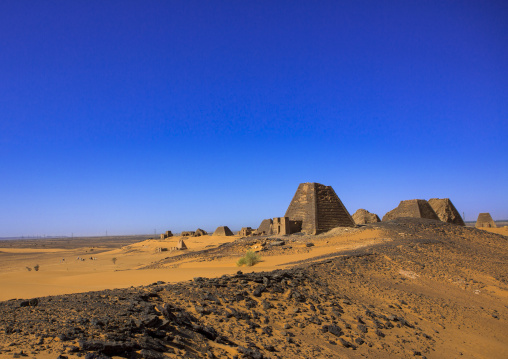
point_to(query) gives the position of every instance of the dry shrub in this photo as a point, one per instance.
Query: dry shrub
(249, 259)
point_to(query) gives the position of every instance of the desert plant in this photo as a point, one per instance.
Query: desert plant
(36, 267)
(249, 259)
(29, 269)
(114, 260)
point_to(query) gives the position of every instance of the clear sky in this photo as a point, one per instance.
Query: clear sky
(135, 116)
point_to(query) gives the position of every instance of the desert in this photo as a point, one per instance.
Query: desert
(407, 287)
(253, 179)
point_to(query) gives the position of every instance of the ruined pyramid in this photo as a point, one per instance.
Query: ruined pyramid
(265, 227)
(181, 245)
(319, 208)
(414, 208)
(199, 232)
(222, 231)
(362, 216)
(446, 211)
(485, 220)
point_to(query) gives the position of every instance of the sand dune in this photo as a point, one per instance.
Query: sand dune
(62, 273)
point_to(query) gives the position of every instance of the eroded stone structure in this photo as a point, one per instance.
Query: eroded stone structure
(245, 231)
(166, 235)
(485, 221)
(318, 208)
(199, 232)
(222, 231)
(446, 211)
(284, 225)
(362, 216)
(181, 245)
(414, 208)
(265, 228)
(187, 234)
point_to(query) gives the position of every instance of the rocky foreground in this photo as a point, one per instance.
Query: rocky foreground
(430, 290)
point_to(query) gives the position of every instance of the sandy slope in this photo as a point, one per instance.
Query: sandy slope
(499, 230)
(405, 288)
(62, 273)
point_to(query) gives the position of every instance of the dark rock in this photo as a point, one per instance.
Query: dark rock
(267, 330)
(266, 305)
(96, 356)
(150, 354)
(346, 344)
(253, 353)
(335, 330)
(314, 319)
(108, 348)
(201, 310)
(270, 348)
(259, 289)
(24, 303)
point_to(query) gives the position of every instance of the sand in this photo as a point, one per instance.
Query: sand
(447, 280)
(61, 272)
(500, 230)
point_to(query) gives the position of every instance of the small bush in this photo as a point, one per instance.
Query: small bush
(29, 269)
(249, 259)
(36, 267)
(114, 260)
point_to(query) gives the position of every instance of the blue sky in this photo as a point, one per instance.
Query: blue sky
(135, 116)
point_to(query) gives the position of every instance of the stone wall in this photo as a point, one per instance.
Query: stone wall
(303, 207)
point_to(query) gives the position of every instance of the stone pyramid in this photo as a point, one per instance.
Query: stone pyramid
(199, 232)
(485, 220)
(181, 245)
(414, 208)
(319, 208)
(362, 216)
(222, 231)
(265, 227)
(446, 211)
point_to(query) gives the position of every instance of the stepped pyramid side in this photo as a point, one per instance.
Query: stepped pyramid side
(485, 220)
(414, 208)
(331, 212)
(319, 208)
(446, 211)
